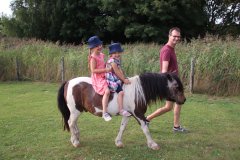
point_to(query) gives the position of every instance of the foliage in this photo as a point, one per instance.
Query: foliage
(10, 27)
(74, 21)
(217, 68)
(31, 128)
(217, 62)
(224, 17)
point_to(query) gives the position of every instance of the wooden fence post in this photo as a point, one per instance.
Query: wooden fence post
(17, 69)
(62, 69)
(192, 75)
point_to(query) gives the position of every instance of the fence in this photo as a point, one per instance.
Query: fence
(62, 68)
(205, 66)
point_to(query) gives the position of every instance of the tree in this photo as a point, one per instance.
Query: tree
(73, 21)
(10, 27)
(224, 17)
(140, 20)
(79, 22)
(29, 18)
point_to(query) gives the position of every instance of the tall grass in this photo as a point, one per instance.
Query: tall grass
(217, 62)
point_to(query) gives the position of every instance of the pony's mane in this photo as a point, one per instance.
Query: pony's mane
(150, 87)
(138, 90)
(154, 86)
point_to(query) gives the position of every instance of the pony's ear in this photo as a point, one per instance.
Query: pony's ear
(169, 77)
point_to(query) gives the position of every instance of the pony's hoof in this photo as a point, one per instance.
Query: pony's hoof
(75, 143)
(119, 144)
(154, 146)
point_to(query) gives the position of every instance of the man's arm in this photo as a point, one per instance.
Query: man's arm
(165, 66)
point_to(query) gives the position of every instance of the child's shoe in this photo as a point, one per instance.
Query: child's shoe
(124, 113)
(106, 117)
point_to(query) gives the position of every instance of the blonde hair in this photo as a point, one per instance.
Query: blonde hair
(89, 58)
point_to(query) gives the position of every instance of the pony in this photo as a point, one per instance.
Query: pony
(77, 96)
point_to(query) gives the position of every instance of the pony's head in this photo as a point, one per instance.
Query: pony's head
(176, 91)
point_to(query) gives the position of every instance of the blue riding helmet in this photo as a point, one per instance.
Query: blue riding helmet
(115, 47)
(93, 42)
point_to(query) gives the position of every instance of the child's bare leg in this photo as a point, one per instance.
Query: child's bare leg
(105, 115)
(105, 100)
(120, 100)
(120, 105)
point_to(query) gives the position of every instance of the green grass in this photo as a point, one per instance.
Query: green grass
(31, 128)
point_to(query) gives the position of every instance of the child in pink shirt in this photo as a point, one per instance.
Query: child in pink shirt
(98, 70)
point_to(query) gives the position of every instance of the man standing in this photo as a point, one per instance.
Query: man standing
(168, 63)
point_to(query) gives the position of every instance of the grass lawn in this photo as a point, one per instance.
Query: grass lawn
(31, 129)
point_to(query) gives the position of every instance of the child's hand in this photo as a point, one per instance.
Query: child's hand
(109, 69)
(126, 81)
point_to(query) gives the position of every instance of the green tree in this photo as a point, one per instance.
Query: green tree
(79, 22)
(32, 17)
(10, 27)
(73, 21)
(140, 20)
(56, 19)
(223, 17)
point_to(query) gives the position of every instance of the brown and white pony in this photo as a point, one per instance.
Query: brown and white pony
(77, 95)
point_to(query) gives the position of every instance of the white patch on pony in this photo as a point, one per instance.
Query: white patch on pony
(70, 99)
(132, 92)
(172, 84)
(140, 97)
(81, 79)
(97, 110)
(113, 105)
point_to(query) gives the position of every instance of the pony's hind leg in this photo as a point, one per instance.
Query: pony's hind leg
(74, 128)
(118, 140)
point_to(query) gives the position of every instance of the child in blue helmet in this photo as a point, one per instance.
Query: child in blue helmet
(115, 78)
(98, 70)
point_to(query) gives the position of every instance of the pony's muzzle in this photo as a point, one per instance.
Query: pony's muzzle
(181, 102)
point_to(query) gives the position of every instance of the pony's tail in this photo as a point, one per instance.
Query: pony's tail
(62, 106)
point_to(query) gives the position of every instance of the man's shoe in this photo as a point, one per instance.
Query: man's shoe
(180, 129)
(148, 123)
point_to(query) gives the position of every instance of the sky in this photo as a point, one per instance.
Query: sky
(5, 7)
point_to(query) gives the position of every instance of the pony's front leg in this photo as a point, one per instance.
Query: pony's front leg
(151, 144)
(118, 140)
(74, 128)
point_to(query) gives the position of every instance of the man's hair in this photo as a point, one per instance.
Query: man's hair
(174, 28)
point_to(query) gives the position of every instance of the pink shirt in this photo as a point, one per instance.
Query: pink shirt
(167, 53)
(99, 82)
